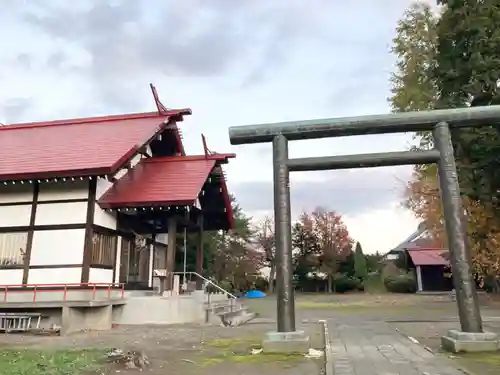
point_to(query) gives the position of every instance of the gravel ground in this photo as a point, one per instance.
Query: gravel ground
(187, 349)
(428, 332)
(194, 349)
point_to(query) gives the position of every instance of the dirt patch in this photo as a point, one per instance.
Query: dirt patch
(185, 349)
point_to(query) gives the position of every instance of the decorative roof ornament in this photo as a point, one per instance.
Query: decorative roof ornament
(159, 105)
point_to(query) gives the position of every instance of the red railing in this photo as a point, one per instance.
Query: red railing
(63, 288)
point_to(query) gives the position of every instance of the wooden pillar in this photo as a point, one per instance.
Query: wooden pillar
(171, 249)
(29, 239)
(153, 254)
(144, 255)
(420, 286)
(89, 231)
(199, 254)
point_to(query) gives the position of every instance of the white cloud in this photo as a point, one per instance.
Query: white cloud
(382, 229)
(252, 62)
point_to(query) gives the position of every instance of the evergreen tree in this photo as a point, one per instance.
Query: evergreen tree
(373, 262)
(346, 267)
(360, 269)
(468, 67)
(229, 257)
(467, 73)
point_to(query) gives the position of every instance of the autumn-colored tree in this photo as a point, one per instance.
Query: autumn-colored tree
(266, 243)
(424, 200)
(333, 239)
(305, 248)
(431, 72)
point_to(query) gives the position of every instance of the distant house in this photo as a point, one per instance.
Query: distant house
(432, 269)
(430, 264)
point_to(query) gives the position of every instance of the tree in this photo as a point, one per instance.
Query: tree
(234, 261)
(373, 262)
(413, 86)
(360, 269)
(444, 61)
(305, 248)
(334, 241)
(266, 242)
(467, 72)
(424, 200)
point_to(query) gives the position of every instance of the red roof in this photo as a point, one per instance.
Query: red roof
(428, 257)
(77, 147)
(168, 180)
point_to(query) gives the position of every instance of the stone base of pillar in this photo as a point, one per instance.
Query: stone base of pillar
(286, 342)
(458, 341)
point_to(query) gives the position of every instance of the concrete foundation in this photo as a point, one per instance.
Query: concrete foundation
(286, 342)
(458, 341)
(70, 316)
(167, 310)
(96, 312)
(77, 319)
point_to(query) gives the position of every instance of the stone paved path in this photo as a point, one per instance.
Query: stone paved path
(374, 348)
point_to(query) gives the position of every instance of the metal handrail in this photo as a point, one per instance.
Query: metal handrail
(207, 281)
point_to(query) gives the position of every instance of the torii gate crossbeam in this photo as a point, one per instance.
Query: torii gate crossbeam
(437, 121)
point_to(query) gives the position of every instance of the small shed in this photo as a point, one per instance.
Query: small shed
(432, 268)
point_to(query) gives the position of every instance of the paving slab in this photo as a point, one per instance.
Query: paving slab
(375, 348)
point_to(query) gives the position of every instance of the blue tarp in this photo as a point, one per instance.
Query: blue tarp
(254, 294)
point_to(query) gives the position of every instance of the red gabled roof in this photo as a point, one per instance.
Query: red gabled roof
(76, 147)
(168, 180)
(429, 257)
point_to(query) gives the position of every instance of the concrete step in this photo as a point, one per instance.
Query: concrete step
(140, 293)
(229, 313)
(225, 308)
(237, 318)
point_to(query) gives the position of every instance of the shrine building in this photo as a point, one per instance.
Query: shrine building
(75, 195)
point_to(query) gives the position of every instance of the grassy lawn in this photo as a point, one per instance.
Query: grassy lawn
(240, 351)
(41, 362)
(480, 363)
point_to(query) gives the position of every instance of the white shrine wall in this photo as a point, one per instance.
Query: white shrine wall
(58, 231)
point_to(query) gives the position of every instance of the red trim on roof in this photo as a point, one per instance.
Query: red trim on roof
(88, 120)
(77, 147)
(179, 140)
(227, 203)
(427, 249)
(425, 257)
(160, 181)
(171, 159)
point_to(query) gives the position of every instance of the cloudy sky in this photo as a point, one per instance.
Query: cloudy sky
(234, 63)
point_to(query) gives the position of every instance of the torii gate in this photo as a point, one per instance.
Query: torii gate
(437, 121)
